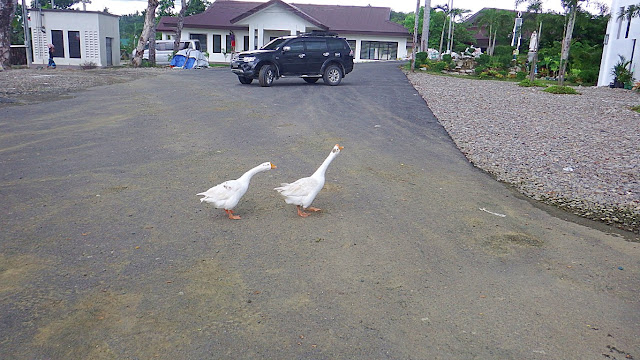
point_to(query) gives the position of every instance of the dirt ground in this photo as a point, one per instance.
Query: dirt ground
(38, 84)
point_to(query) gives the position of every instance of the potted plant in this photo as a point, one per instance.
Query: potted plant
(622, 75)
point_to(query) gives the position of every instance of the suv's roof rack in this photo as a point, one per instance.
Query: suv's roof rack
(320, 33)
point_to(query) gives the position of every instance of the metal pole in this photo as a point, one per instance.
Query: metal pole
(25, 28)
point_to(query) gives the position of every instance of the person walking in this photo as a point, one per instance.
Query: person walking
(51, 64)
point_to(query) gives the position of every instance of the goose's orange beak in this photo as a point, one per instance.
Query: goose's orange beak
(273, 166)
(340, 147)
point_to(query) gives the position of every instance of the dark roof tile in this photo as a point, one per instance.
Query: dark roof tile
(341, 19)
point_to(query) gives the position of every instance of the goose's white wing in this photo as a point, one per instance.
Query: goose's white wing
(301, 192)
(220, 194)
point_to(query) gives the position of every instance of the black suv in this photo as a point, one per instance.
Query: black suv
(310, 56)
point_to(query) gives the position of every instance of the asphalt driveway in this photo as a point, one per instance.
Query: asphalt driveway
(106, 252)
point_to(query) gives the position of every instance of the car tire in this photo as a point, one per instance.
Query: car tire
(266, 76)
(311, 80)
(245, 80)
(332, 75)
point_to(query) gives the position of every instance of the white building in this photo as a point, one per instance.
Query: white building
(229, 26)
(79, 37)
(620, 39)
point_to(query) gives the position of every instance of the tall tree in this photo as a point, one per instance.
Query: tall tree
(58, 4)
(445, 10)
(6, 17)
(176, 42)
(149, 24)
(455, 13)
(415, 35)
(196, 7)
(571, 8)
(426, 19)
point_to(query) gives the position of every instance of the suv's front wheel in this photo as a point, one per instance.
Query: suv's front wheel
(332, 75)
(266, 76)
(245, 80)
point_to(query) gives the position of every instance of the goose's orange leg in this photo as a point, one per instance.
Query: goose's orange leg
(231, 216)
(300, 212)
(310, 208)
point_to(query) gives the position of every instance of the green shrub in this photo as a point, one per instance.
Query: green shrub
(480, 69)
(555, 89)
(447, 58)
(483, 59)
(521, 75)
(589, 76)
(439, 66)
(421, 57)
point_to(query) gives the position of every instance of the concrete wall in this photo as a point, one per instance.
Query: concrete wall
(94, 28)
(618, 42)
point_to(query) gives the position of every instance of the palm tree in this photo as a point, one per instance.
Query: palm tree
(495, 19)
(445, 12)
(455, 13)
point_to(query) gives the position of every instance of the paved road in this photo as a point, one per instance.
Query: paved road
(106, 252)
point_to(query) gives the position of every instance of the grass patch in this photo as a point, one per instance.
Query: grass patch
(529, 83)
(636, 108)
(555, 89)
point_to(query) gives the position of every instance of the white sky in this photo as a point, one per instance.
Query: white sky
(122, 7)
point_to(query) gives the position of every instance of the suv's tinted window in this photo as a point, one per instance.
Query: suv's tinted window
(316, 44)
(296, 45)
(272, 45)
(336, 44)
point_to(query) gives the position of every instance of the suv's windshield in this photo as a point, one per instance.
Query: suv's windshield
(273, 44)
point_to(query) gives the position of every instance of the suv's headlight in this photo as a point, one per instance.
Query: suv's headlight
(248, 59)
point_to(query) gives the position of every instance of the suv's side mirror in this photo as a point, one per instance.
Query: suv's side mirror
(286, 48)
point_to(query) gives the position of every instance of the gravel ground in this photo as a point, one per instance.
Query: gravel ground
(577, 152)
(28, 86)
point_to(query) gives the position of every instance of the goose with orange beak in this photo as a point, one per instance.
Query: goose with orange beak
(302, 192)
(227, 195)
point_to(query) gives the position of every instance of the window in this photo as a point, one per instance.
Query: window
(203, 40)
(217, 43)
(74, 44)
(229, 48)
(606, 39)
(352, 44)
(58, 42)
(246, 43)
(378, 50)
(296, 45)
(316, 45)
(336, 44)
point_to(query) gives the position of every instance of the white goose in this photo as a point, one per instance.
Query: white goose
(228, 194)
(302, 192)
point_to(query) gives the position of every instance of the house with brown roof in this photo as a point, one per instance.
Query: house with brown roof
(229, 26)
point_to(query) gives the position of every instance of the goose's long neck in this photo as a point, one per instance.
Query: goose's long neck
(249, 174)
(325, 164)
